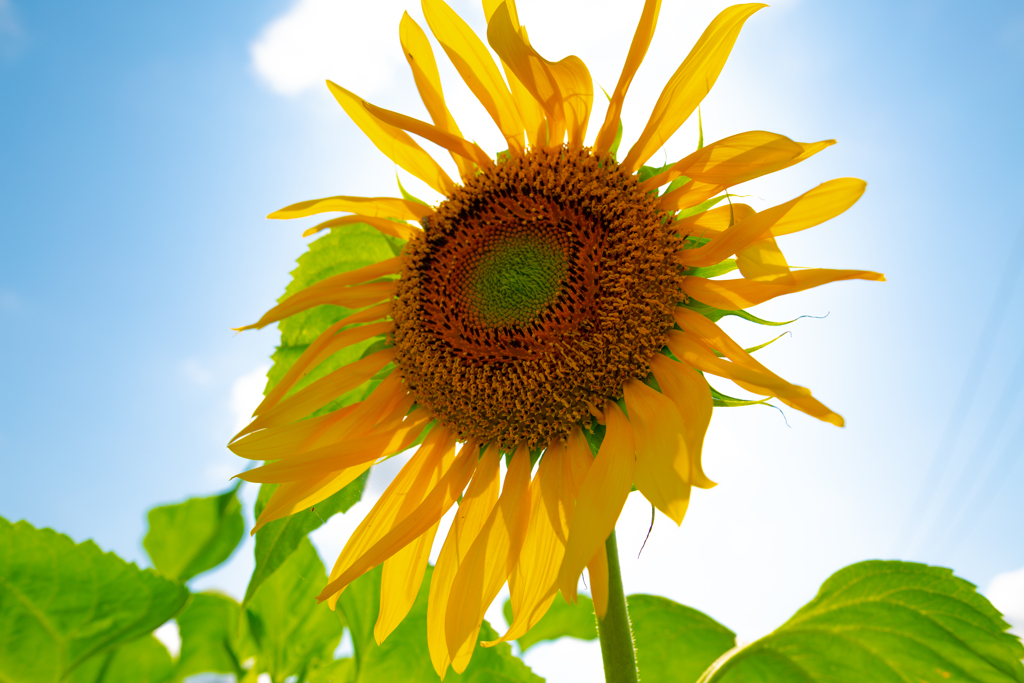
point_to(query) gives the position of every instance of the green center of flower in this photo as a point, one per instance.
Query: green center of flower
(515, 279)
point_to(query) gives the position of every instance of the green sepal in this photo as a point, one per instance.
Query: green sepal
(722, 401)
(716, 314)
(721, 268)
(406, 195)
(614, 149)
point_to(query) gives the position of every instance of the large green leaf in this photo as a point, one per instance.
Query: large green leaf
(276, 541)
(144, 660)
(62, 603)
(212, 639)
(674, 642)
(294, 633)
(404, 655)
(561, 620)
(189, 538)
(885, 621)
(338, 671)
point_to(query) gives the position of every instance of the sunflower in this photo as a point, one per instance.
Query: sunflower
(557, 309)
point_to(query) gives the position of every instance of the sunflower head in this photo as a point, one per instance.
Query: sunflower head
(557, 307)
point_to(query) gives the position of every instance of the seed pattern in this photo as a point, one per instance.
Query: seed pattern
(543, 284)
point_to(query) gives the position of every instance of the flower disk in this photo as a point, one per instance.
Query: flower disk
(542, 285)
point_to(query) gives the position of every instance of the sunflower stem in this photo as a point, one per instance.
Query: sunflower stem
(614, 630)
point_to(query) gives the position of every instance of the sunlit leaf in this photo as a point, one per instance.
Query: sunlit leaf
(338, 671)
(674, 642)
(212, 639)
(276, 541)
(62, 603)
(189, 538)
(404, 655)
(561, 620)
(885, 621)
(144, 660)
(294, 633)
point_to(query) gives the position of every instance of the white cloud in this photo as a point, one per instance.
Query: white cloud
(352, 43)
(1006, 591)
(246, 394)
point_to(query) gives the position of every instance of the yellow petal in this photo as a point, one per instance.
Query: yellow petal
(321, 392)
(489, 562)
(712, 222)
(733, 295)
(814, 207)
(564, 89)
(763, 258)
(377, 207)
(692, 193)
(335, 457)
(420, 56)
(474, 63)
(388, 227)
(732, 160)
(532, 583)
(400, 583)
(393, 142)
(473, 512)
(579, 458)
(694, 352)
(349, 296)
(600, 500)
(454, 143)
(296, 496)
(692, 396)
(662, 471)
(637, 51)
(320, 350)
(441, 494)
(529, 109)
(690, 83)
(598, 570)
(408, 489)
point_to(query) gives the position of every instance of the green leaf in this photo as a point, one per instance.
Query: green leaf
(294, 633)
(885, 621)
(276, 541)
(674, 642)
(189, 538)
(62, 603)
(561, 620)
(144, 660)
(404, 655)
(338, 671)
(212, 639)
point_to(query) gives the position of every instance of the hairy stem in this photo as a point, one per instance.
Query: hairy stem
(614, 630)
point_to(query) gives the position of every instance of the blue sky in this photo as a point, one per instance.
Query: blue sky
(141, 144)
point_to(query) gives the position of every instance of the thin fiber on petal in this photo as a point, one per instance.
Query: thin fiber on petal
(690, 83)
(637, 51)
(393, 142)
(472, 514)
(663, 467)
(600, 500)
(489, 562)
(377, 207)
(420, 56)
(474, 63)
